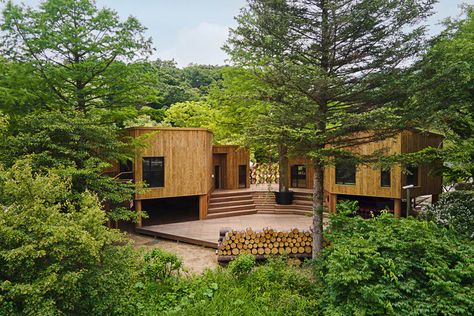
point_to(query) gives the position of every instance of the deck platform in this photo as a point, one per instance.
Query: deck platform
(206, 232)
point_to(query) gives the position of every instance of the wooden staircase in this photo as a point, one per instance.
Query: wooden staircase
(243, 202)
(265, 204)
(230, 203)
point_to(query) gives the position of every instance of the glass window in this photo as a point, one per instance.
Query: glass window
(154, 171)
(298, 176)
(345, 172)
(242, 176)
(385, 180)
(412, 176)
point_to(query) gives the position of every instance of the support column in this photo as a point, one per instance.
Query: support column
(138, 209)
(434, 198)
(397, 207)
(203, 204)
(332, 202)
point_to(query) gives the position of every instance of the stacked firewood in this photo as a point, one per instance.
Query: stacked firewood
(266, 242)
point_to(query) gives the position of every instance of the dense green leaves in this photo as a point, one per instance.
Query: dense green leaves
(386, 266)
(57, 257)
(454, 209)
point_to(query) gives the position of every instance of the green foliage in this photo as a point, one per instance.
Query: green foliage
(347, 207)
(161, 265)
(57, 257)
(454, 209)
(445, 102)
(242, 265)
(270, 289)
(386, 266)
(79, 146)
(79, 52)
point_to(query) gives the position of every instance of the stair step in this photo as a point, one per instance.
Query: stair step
(214, 204)
(229, 214)
(230, 198)
(231, 193)
(230, 208)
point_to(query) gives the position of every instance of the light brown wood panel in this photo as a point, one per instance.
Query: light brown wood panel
(187, 156)
(368, 176)
(428, 181)
(233, 157)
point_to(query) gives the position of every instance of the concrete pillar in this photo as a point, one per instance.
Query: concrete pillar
(138, 209)
(397, 207)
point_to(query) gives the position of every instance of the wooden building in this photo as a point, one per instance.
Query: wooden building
(181, 168)
(374, 188)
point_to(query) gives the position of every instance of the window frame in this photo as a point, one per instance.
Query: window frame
(389, 171)
(160, 181)
(344, 164)
(298, 180)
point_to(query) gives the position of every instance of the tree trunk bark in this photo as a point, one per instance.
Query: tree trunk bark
(283, 168)
(318, 207)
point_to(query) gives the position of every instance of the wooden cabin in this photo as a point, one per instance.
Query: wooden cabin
(374, 188)
(181, 168)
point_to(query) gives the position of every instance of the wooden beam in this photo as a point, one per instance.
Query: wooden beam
(434, 198)
(397, 207)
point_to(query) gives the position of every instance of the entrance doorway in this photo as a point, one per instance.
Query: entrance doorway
(217, 177)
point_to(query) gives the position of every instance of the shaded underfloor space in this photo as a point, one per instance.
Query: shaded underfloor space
(171, 210)
(206, 232)
(369, 205)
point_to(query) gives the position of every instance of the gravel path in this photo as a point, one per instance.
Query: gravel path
(195, 258)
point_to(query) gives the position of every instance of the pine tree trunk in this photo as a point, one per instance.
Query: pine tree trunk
(283, 168)
(318, 207)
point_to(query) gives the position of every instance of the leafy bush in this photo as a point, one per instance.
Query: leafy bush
(242, 265)
(454, 209)
(385, 266)
(58, 258)
(347, 207)
(269, 289)
(161, 265)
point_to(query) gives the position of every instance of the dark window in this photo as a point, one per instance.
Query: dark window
(385, 178)
(154, 171)
(298, 176)
(126, 170)
(242, 176)
(345, 172)
(412, 176)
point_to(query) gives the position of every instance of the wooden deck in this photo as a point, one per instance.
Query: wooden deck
(206, 232)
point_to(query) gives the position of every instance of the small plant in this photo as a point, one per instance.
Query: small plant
(161, 265)
(242, 265)
(347, 207)
(454, 209)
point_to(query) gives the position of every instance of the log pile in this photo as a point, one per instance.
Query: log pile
(294, 243)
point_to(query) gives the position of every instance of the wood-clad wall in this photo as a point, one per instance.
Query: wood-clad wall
(368, 177)
(229, 158)
(187, 156)
(428, 181)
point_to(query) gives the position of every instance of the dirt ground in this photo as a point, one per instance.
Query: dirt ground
(196, 259)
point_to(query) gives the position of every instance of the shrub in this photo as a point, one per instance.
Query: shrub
(454, 209)
(161, 265)
(58, 258)
(243, 264)
(385, 266)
